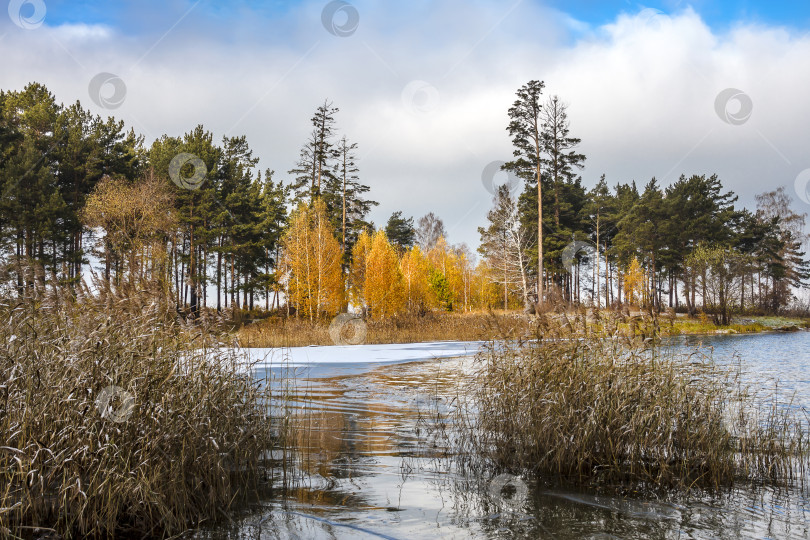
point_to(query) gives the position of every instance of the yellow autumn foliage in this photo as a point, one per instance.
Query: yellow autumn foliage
(416, 271)
(634, 284)
(357, 272)
(312, 259)
(384, 289)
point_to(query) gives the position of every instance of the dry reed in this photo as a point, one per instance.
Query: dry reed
(584, 402)
(405, 328)
(116, 418)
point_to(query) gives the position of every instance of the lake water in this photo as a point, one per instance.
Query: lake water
(370, 471)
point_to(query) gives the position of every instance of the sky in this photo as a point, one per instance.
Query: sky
(424, 87)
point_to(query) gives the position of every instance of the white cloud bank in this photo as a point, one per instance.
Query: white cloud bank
(641, 92)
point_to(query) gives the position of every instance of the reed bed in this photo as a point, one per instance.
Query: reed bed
(405, 328)
(609, 408)
(118, 419)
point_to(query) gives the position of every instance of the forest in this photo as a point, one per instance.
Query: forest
(195, 218)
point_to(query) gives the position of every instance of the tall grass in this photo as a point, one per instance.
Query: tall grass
(116, 418)
(610, 409)
(405, 328)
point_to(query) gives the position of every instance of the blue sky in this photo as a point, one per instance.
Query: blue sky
(718, 14)
(423, 86)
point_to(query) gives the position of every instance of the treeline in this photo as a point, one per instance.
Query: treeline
(682, 245)
(198, 218)
(74, 184)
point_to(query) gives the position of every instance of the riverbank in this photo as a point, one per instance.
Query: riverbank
(275, 332)
(739, 325)
(281, 332)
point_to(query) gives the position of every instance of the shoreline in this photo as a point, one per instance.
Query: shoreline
(276, 332)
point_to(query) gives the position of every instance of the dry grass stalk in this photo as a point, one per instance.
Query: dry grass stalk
(585, 403)
(410, 328)
(116, 418)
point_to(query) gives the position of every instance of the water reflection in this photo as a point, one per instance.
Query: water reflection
(369, 470)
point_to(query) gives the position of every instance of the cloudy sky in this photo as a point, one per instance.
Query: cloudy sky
(423, 87)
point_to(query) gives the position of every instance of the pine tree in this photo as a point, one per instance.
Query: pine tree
(525, 128)
(271, 225)
(400, 231)
(559, 159)
(600, 203)
(643, 231)
(344, 199)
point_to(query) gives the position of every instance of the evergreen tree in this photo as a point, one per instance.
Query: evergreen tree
(600, 204)
(273, 221)
(344, 197)
(400, 231)
(316, 163)
(560, 159)
(642, 233)
(525, 128)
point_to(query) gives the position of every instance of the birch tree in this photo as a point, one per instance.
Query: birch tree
(312, 259)
(504, 245)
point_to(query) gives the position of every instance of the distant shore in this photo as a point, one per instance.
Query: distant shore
(271, 332)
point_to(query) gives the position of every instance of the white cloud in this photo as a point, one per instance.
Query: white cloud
(641, 92)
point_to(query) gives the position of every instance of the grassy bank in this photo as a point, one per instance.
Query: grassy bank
(442, 326)
(116, 419)
(622, 412)
(292, 332)
(740, 325)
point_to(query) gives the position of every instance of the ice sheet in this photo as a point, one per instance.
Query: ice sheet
(321, 361)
